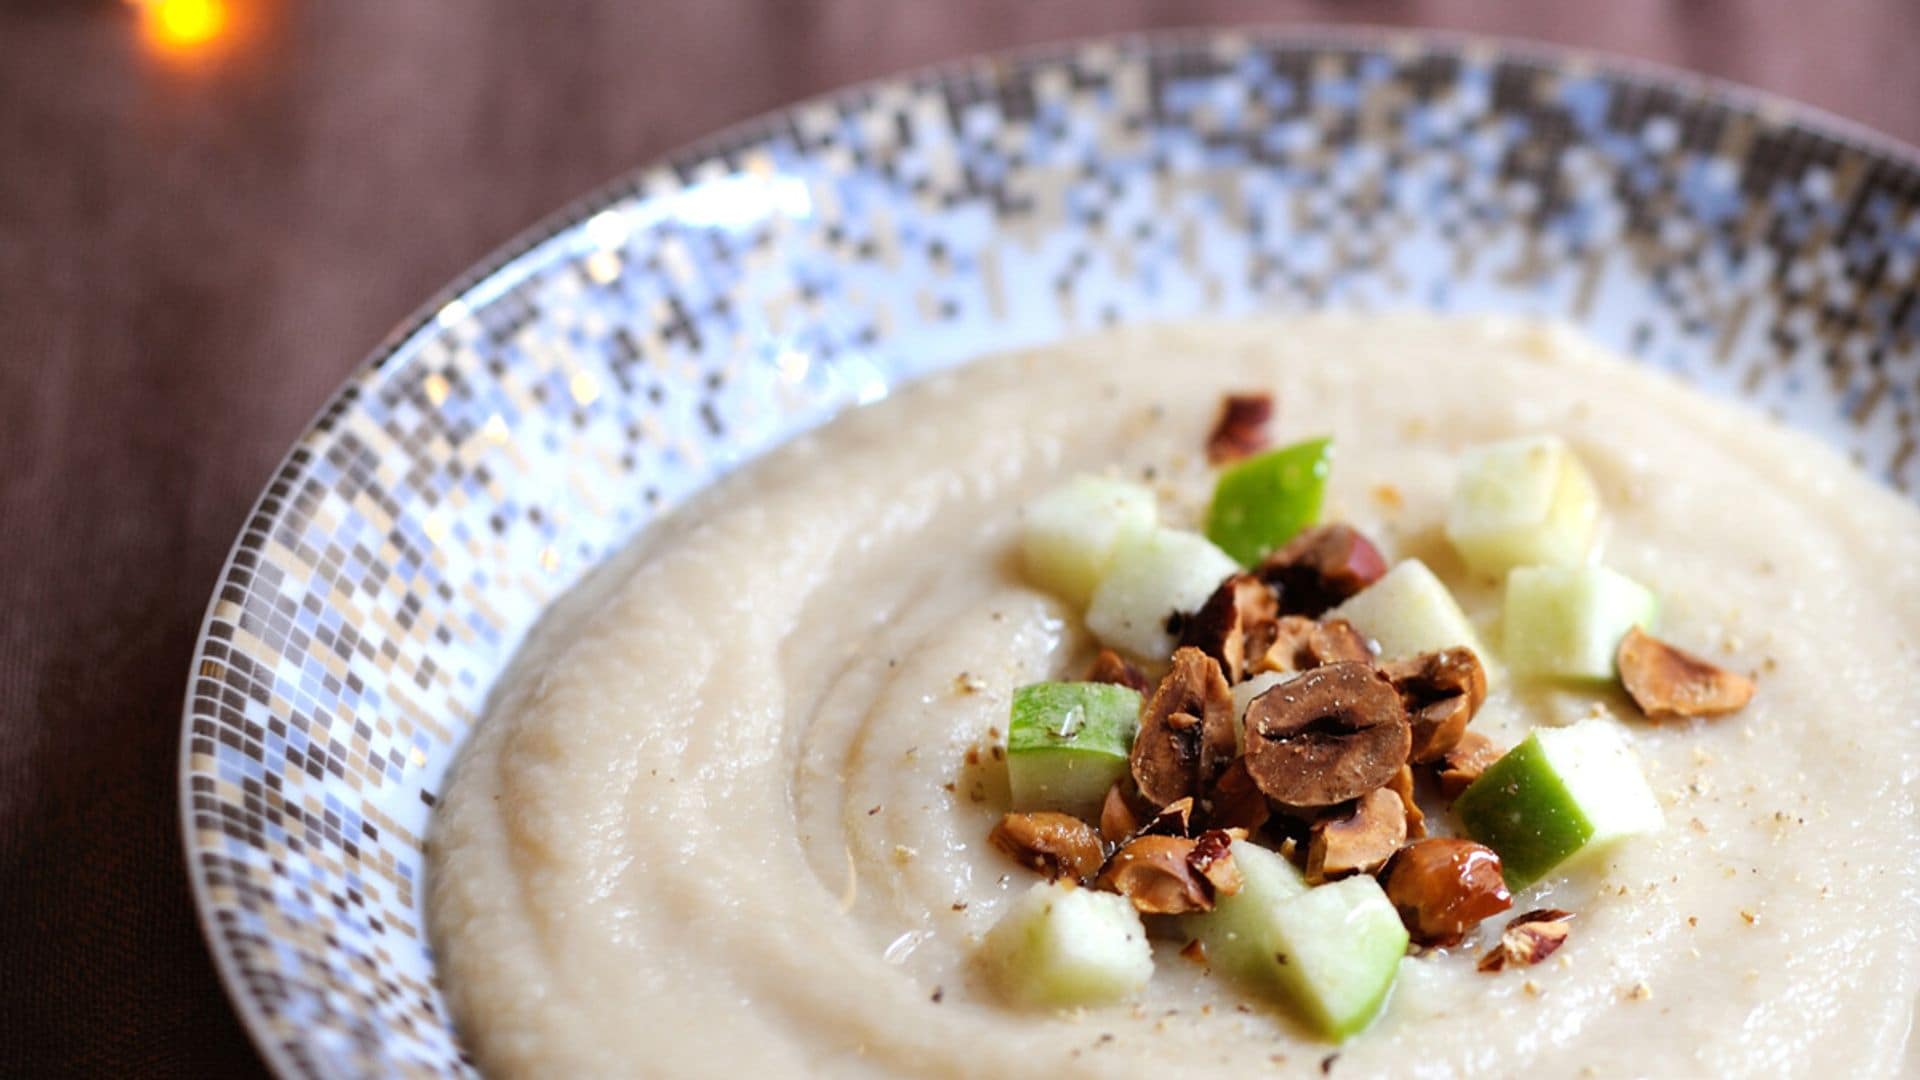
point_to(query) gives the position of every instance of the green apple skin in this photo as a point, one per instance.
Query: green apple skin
(1068, 536)
(1565, 622)
(1338, 950)
(1067, 742)
(1060, 946)
(1562, 793)
(1332, 952)
(1408, 611)
(1522, 502)
(1154, 575)
(1261, 502)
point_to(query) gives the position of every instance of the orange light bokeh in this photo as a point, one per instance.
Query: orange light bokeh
(183, 27)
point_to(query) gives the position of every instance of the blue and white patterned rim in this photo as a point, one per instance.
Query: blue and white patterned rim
(622, 354)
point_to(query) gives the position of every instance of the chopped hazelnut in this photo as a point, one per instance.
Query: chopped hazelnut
(1360, 842)
(1302, 644)
(1528, 939)
(1119, 819)
(1057, 845)
(1241, 430)
(1212, 858)
(1289, 652)
(1175, 819)
(1195, 950)
(1235, 625)
(1402, 785)
(1321, 567)
(1111, 667)
(1443, 887)
(1186, 730)
(1669, 683)
(1237, 802)
(1441, 690)
(1462, 765)
(1337, 641)
(1154, 872)
(1333, 734)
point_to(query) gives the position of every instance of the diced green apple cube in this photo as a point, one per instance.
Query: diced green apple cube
(1561, 792)
(1068, 536)
(1259, 503)
(1523, 502)
(1410, 612)
(1059, 945)
(1153, 576)
(1067, 742)
(1566, 622)
(1333, 951)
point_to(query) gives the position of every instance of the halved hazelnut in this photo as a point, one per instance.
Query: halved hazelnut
(1235, 625)
(1154, 873)
(1402, 785)
(1330, 735)
(1057, 845)
(1529, 939)
(1186, 730)
(1212, 859)
(1111, 667)
(1670, 683)
(1443, 887)
(1322, 567)
(1441, 690)
(1462, 765)
(1360, 842)
(1241, 430)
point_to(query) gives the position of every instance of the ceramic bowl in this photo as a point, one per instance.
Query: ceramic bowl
(589, 377)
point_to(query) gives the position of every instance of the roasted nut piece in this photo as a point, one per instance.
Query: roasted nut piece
(1529, 939)
(1289, 652)
(1337, 641)
(1360, 842)
(1212, 859)
(1111, 667)
(1175, 819)
(1119, 817)
(1236, 801)
(1057, 845)
(1241, 430)
(1402, 785)
(1154, 873)
(1333, 734)
(1463, 764)
(1302, 644)
(1443, 887)
(1671, 684)
(1186, 731)
(1322, 567)
(1441, 690)
(1235, 625)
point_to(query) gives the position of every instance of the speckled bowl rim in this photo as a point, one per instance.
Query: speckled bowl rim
(499, 272)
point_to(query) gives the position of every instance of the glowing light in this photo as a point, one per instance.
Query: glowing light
(182, 26)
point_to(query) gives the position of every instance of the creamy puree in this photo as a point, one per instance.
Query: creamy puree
(717, 820)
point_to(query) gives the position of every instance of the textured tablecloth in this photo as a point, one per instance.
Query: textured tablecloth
(198, 242)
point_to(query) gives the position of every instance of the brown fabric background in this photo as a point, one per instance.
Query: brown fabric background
(195, 251)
